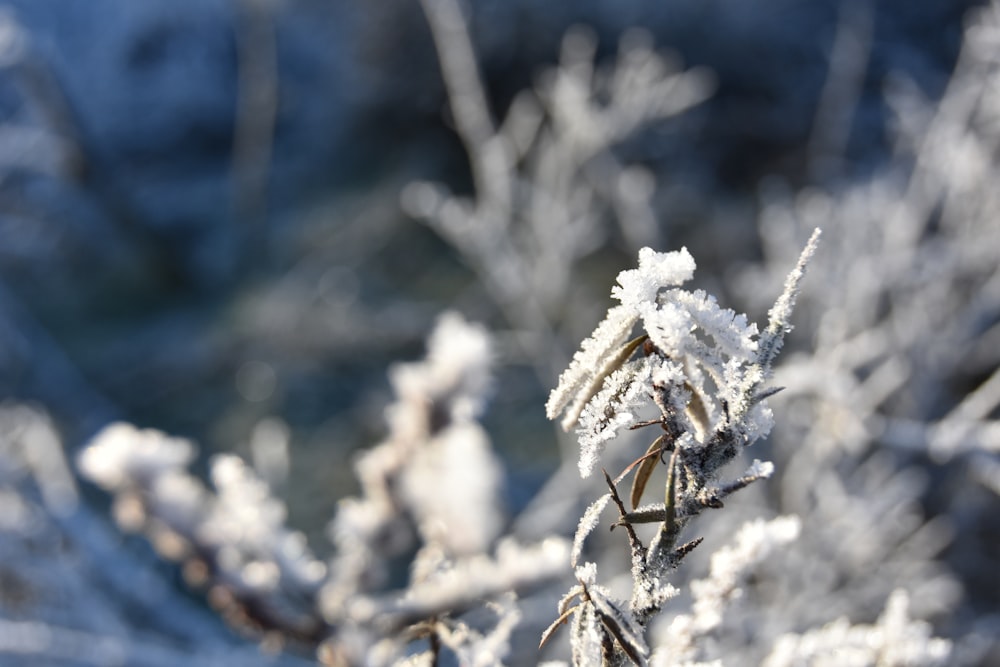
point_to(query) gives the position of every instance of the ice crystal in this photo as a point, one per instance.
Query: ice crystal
(612, 409)
(590, 365)
(656, 270)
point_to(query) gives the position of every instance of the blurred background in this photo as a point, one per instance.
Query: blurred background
(218, 216)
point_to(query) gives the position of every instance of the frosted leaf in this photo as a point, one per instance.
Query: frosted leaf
(587, 638)
(656, 270)
(779, 317)
(620, 624)
(587, 363)
(611, 410)
(586, 526)
(732, 334)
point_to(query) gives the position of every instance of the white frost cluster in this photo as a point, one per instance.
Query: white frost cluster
(436, 468)
(730, 565)
(233, 538)
(451, 479)
(434, 487)
(437, 464)
(640, 286)
(894, 639)
(705, 359)
(455, 375)
(637, 289)
(615, 407)
(453, 489)
(247, 526)
(121, 455)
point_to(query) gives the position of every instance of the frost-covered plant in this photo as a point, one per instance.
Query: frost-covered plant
(432, 487)
(547, 185)
(895, 639)
(896, 405)
(703, 369)
(70, 592)
(429, 505)
(231, 540)
(904, 354)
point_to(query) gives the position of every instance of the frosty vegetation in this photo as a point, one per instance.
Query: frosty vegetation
(429, 492)
(869, 539)
(703, 369)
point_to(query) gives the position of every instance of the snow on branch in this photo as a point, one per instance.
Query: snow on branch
(232, 540)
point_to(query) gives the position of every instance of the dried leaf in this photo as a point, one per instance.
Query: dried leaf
(646, 467)
(589, 638)
(621, 626)
(570, 595)
(696, 410)
(596, 381)
(549, 631)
